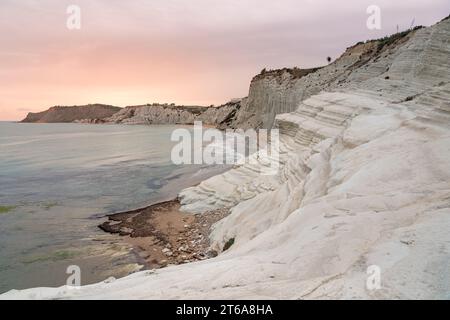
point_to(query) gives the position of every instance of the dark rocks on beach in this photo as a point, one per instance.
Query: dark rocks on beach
(163, 235)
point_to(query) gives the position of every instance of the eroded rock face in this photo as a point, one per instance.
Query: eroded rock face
(280, 91)
(172, 114)
(88, 113)
(358, 162)
(375, 75)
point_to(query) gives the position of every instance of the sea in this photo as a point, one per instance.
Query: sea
(57, 184)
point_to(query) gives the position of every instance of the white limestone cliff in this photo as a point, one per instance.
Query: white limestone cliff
(173, 114)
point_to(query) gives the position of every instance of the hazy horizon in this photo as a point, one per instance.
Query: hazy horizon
(137, 52)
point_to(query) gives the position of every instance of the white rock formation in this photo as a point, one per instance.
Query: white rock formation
(365, 180)
(172, 114)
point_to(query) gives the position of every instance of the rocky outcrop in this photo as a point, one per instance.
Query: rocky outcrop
(280, 91)
(88, 113)
(173, 114)
(392, 74)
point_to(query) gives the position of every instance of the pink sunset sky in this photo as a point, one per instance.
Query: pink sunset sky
(187, 52)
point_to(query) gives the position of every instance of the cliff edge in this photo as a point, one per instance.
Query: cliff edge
(90, 112)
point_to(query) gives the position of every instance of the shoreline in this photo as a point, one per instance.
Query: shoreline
(162, 235)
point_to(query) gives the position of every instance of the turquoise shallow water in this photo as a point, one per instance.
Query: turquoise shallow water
(56, 183)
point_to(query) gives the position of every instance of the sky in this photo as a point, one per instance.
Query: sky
(199, 52)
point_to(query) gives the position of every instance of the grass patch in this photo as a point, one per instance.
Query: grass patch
(388, 40)
(6, 209)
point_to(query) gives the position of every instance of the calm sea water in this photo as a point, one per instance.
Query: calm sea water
(56, 183)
